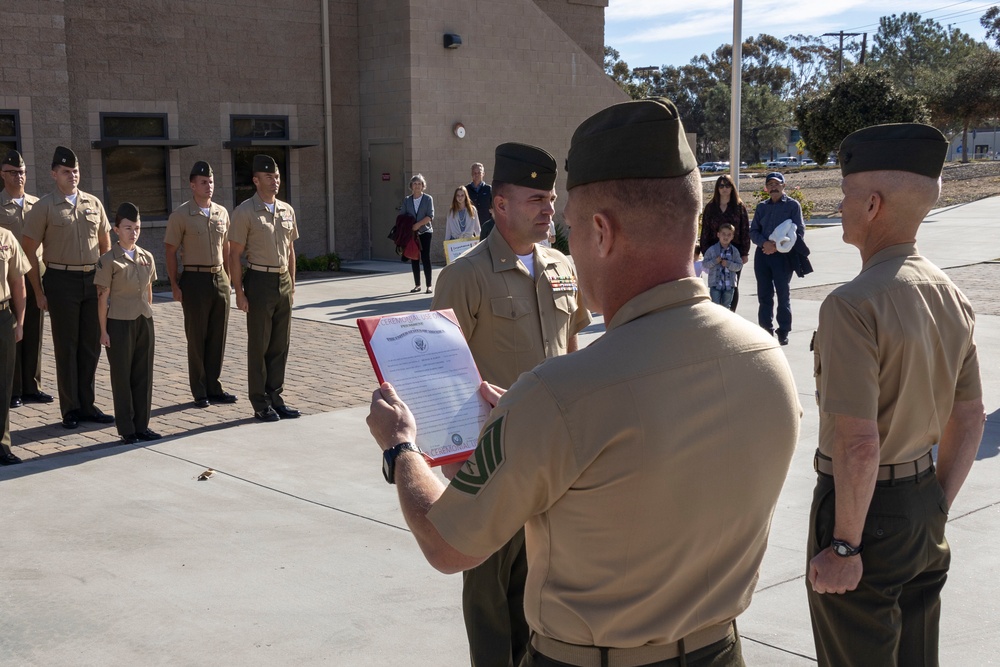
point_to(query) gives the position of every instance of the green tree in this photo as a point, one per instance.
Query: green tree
(991, 21)
(912, 50)
(971, 95)
(862, 97)
(763, 123)
(619, 70)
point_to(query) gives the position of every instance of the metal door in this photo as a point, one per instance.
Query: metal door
(386, 190)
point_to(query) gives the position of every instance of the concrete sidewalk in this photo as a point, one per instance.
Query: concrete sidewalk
(294, 552)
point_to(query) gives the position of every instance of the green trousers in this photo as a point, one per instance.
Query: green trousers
(76, 336)
(892, 617)
(7, 324)
(493, 606)
(269, 331)
(205, 301)
(28, 356)
(130, 357)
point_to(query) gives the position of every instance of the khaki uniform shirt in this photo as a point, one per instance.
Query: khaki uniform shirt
(128, 281)
(13, 263)
(512, 322)
(645, 520)
(895, 345)
(69, 234)
(200, 238)
(12, 218)
(265, 235)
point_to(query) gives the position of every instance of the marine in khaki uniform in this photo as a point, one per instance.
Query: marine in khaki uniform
(14, 266)
(73, 230)
(645, 527)
(517, 304)
(199, 228)
(124, 281)
(897, 372)
(14, 203)
(264, 227)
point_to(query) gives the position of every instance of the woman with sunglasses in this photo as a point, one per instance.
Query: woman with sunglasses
(726, 206)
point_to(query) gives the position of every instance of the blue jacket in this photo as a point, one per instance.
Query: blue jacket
(770, 214)
(426, 211)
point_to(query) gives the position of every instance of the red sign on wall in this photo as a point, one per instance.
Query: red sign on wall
(385, 176)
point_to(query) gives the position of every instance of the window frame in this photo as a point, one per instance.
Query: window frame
(111, 142)
(16, 137)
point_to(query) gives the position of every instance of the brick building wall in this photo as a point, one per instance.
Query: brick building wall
(528, 70)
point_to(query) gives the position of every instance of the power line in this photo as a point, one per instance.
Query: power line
(926, 15)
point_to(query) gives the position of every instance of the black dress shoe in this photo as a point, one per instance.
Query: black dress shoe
(783, 339)
(97, 417)
(267, 415)
(9, 460)
(16, 402)
(37, 397)
(130, 439)
(224, 397)
(148, 435)
(201, 403)
(286, 412)
(70, 419)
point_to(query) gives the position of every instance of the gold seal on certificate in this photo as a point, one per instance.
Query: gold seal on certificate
(427, 359)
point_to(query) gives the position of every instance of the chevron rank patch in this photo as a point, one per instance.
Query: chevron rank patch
(485, 460)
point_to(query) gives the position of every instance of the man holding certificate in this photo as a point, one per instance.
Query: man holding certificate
(645, 527)
(517, 304)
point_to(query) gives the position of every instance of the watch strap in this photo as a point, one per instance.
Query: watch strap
(845, 549)
(389, 459)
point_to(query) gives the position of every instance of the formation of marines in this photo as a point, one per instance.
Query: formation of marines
(58, 258)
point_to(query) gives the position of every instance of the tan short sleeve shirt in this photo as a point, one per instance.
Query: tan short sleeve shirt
(12, 216)
(69, 234)
(895, 345)
(645, 520)
(266, 236)
(127, 281)
(13, 262)
(512, 322)
(200, 237)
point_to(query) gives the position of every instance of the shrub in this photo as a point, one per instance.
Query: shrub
(328, 262)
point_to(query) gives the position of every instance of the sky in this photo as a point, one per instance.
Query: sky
(672, 32)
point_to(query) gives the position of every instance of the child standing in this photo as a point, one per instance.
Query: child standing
(722, 261)
(125, 278)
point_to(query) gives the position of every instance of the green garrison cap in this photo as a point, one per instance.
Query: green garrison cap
(912, 147)
(264, 163)
(13, 158)
(201, 168)
(127, 211)
(641, 139)
(528, 166)
(63, 157)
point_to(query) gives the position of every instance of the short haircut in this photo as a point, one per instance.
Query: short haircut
(656, 209)
(418, 178)
(728, 225)
(480, 165)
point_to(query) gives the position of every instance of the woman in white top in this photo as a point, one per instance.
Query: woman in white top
(463, 219)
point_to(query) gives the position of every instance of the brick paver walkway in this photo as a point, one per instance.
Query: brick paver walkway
(328, 369)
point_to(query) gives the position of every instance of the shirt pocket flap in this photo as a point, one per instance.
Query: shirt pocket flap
(511, 307)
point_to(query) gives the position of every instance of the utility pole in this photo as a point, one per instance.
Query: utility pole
(842, 35)
(864, 47)
(735, 110)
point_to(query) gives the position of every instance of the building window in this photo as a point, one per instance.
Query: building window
(134, 150)
(10, 131)
(257, 135)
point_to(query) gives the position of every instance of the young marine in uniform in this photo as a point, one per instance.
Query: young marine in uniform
(13, 267)
(14, 204)
(73, 230)
(124, 281)
(645, 528)
(264, 227)
(199, 228)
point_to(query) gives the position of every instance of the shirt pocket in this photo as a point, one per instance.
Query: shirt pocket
(565, 301)
(512, 323)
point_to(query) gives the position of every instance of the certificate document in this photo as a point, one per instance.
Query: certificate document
(427, 359)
